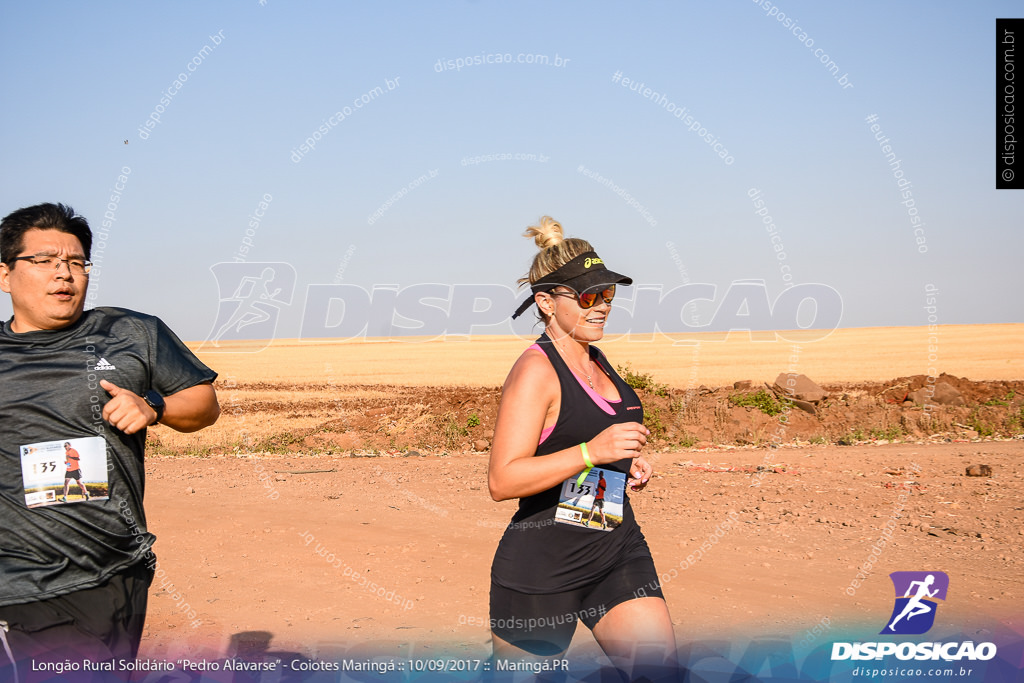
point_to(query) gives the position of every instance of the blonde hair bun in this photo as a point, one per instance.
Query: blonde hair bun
(555, 249)
(547, 234)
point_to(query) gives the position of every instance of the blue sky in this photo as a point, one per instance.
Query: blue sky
(80, 79)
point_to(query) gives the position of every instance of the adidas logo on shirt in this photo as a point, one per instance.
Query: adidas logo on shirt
(104, 365)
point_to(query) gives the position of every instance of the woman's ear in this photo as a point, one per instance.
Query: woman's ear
(545, 304)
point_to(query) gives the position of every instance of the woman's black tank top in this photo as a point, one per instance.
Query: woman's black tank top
(538, 555)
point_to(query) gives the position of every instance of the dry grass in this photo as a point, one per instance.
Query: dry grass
(978, 352)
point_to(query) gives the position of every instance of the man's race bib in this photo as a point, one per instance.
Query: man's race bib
(67, 471)
(596, 503)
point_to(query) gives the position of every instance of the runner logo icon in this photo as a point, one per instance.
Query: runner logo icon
(252, 296)
(916, 603)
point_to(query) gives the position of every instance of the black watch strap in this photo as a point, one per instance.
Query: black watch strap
(156, 402)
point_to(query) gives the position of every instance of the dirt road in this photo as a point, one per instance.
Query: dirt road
(325, 555)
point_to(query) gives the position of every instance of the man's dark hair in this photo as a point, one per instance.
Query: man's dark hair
(44, 217)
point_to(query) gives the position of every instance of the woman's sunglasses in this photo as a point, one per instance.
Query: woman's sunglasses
(589, 298)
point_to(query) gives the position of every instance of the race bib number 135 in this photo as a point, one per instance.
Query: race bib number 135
(67, 471)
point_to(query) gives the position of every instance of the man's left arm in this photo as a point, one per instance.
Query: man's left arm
(188, 410)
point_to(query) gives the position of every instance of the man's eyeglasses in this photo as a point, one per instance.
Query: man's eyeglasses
(76, 266)
(589, 298)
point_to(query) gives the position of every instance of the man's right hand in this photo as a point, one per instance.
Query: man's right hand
(126, 410)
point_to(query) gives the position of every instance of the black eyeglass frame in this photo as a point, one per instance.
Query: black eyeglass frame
(82, 266)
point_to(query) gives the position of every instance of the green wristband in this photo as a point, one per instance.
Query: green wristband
(586, 460)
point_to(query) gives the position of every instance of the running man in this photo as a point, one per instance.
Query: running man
(915, 606)
(602, 486)
(74, 472)
(249, 311)
(76, 578)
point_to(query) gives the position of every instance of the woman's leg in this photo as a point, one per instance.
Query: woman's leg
(534, 630)
(637, 636)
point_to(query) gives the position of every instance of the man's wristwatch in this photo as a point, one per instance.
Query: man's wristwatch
(156, 402)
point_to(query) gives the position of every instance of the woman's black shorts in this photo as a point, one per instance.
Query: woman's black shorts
(544, 624)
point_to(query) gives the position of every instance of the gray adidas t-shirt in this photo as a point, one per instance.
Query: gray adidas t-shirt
(50, 402)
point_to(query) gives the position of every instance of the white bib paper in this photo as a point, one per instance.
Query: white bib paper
(594, 504)
(53, 475)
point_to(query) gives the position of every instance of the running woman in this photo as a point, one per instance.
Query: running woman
(564, 410)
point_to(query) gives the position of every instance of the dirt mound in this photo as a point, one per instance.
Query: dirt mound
(848, 413)
(385, 419)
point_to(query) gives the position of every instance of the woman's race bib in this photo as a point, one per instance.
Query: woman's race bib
(596, 503)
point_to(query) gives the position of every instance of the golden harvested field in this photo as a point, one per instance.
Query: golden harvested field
(977, 352)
